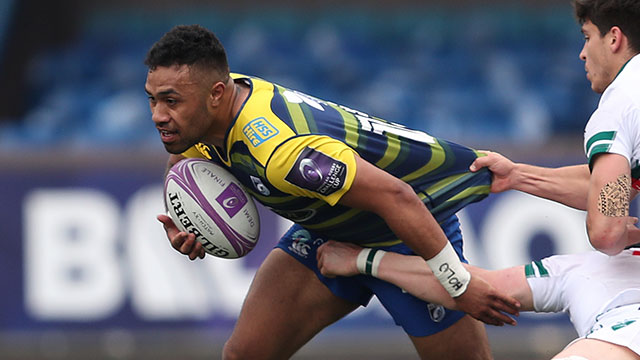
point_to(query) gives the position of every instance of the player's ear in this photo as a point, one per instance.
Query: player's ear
(216, 93)
(616, 37)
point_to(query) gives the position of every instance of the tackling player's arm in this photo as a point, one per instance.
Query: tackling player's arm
(609, 226)
(395, 201)
(411, 274)
(185, 243)
(568, 185)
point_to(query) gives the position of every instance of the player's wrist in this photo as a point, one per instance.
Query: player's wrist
(368, 261)
(516, 176)
(448, 269)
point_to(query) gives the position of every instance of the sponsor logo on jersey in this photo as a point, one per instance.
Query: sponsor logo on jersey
(622, 324)
(436, 312)
(260, 186)
(204, 149)
(258, 131)
(232, 199)
(300, 245)
(317, 172)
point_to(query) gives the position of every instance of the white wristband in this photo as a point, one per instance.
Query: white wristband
(368, 261)
(446, 266)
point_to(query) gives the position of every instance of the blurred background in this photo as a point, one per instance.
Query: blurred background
(86, 271)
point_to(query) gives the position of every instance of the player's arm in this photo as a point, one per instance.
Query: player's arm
(184, 242)
(608, 224)
(395, 201)
(567, 185)
(412, 274)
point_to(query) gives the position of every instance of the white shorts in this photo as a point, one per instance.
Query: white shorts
(619, 326)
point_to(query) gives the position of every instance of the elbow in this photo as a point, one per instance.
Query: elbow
(606, 239)
(403, 193)
(604, 245)
(395, 199)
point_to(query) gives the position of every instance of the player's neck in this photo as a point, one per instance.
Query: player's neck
(237, 94)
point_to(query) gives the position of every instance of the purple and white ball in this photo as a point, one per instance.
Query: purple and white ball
(205, 199)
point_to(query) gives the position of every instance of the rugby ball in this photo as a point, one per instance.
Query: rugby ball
(205, 199)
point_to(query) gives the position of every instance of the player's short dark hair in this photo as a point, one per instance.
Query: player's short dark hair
(191, 45)
(606, 14)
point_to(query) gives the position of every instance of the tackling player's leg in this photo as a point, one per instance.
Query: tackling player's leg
(285, 307)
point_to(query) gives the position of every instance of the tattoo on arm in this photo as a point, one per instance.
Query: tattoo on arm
(614, 197)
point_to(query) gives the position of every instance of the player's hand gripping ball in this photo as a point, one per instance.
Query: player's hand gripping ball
(205, 199)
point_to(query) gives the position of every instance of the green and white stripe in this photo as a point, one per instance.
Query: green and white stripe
(535, 269)
(599, 143)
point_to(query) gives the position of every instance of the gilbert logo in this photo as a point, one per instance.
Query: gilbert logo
(258, 131)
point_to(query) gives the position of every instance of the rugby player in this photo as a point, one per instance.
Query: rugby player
(600, 293)
(337, 173)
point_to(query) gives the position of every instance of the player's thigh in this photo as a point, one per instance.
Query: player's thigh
(593, 349)
(464, 340)
(285, 307)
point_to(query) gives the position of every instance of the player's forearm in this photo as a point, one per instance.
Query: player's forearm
(511, 281)
(412, 274)
(409, 219)
(396, 202)
(568, 185)
(609, 236)
(610, 194)
(412, 222)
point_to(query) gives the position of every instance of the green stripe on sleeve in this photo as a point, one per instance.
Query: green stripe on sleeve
(541, 269)
(602, 148)
(604, 135)
(528, 271)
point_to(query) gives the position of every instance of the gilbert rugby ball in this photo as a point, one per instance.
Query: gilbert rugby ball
(205, 199)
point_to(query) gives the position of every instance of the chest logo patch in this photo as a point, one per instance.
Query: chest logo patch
(258, 131)
(317, 172)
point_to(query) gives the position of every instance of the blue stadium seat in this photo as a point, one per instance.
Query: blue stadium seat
(453, 74)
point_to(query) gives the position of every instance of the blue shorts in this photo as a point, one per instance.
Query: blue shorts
(417, 317)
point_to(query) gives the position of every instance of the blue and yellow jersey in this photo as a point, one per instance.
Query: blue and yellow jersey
(296, 155)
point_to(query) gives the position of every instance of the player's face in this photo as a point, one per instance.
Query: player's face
(178, 107)
(595, 55)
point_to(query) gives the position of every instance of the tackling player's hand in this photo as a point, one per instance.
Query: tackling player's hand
(338, 259)
(485, 303)
(185, 243)
(502, 170)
